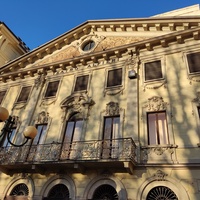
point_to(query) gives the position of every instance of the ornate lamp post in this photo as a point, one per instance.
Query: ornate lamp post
(29, 133)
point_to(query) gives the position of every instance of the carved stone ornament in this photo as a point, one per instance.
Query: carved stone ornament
(132, 62)
(197, 99)
(42, 118)
(40, 79)
(156, 104)
(112, 109)
(79, 102)
(160, 175)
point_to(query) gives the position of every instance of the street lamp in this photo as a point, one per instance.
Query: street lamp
(29, 133)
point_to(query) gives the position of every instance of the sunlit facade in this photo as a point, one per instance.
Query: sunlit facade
(116, 105)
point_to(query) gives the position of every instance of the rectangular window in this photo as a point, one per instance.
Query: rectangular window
(114, 77)
(2, 95)
(194, 62)
(41, 133)
(51, 89)
(81, 83)
(153, 70)
(157, 128)
(110, 134)
(24, 94)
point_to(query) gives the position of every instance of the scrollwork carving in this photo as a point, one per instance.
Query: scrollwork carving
(79, 102)
(160, 175)
(156, 103)
(42, 118)
(112, 108)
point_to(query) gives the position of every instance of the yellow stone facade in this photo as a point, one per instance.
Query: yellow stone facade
(116, 104)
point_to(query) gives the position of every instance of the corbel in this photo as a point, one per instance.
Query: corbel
(112, 27)
(122, 27)
(145, 27)
(75, 36)
(158, 27)
(196, 35)
(103, 28)
(149, 46)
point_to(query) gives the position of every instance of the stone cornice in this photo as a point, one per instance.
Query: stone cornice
(17, 68)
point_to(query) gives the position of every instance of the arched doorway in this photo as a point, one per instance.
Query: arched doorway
(105, 192)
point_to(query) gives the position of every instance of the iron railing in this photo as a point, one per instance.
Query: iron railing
(116, 149)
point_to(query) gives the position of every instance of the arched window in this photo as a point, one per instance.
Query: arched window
(161, 193)
(20, 190)
(72, 136)
(58, 192)
(105, 192)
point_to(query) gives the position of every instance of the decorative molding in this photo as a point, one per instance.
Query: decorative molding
(160, 175)
(42, 118)
(156, 103)
(77, 103)
(155, 85)
(112, 108)
(197, 99)
(40, 80)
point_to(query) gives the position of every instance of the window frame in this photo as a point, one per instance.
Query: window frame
(107, 77)
(75, 79)
(157, 131)
(46, 89)
(27, 99)
(75, 83)
(1, 100)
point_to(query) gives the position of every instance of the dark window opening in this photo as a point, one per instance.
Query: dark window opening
(52, 89)
(194, 62)
(114, 77)
(24, 94)
(81, 83)
(2, 95)
(153, 70)
(88, 46)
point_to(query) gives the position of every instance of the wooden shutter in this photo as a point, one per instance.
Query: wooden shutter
(24, 94)
(194, 62)
(81, 83)
(52, 89)
(114, 77)
(153, 70)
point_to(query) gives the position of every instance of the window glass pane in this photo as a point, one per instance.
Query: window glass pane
(157, 128)
(52, 89)
(162, 127)
(194, 62)
(153, 70)
(114, 77)
(24, 94)
(78, 130)
(69, 132)
(2, 94)
(81, 83)
(116, 127)
(40, 137)
(107, 128)
(152, 133)
(6, 143)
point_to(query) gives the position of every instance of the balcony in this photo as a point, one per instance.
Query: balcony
(118, 154)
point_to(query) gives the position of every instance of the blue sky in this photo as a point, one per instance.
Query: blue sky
(39, 21)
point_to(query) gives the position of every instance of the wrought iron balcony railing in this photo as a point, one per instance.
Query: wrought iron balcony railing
(123, 149)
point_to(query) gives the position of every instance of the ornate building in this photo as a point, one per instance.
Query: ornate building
(116, 105)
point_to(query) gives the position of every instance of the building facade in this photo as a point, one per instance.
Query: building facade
(116, 104)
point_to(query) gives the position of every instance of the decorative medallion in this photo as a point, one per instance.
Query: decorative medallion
(42, 118)
(112, 109)
(156, 104)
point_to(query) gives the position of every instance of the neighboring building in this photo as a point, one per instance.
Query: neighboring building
(11, 46)
(116, 104)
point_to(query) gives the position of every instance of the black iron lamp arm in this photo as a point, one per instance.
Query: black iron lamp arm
(7, 130)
